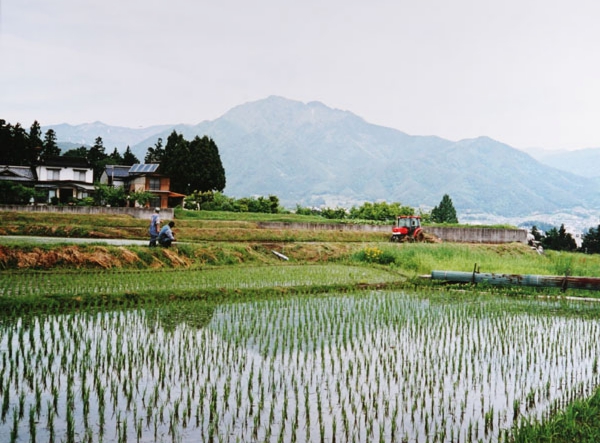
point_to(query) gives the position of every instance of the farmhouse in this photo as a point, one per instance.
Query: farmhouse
(142, 177)
(65, 179)
(61, 179)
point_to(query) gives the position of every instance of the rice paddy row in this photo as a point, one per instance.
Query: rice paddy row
(371, 366)
(18, 284)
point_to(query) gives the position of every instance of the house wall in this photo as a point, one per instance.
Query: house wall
(138, 185)
(114, 181)
(117, 182)
(66, 174)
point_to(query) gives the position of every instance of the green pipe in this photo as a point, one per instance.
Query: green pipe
(566, 282)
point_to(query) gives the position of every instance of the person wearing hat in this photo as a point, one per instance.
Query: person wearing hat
(154, 227)
(165, 236)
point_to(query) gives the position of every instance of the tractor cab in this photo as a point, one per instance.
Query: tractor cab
(407, 227)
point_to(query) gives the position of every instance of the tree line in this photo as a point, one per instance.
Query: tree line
(560, 240)
(19, 147)
(192, 166)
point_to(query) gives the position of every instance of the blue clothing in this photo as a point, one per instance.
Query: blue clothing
(165, 236)
(154, 225)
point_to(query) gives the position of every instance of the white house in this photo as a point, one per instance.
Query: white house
(65, 178)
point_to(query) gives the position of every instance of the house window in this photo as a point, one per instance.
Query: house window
(79, 175)
(155, 202)
(53, 174)
(154, 184)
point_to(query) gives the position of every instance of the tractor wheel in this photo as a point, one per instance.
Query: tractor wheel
(420, 236)
(394, 239)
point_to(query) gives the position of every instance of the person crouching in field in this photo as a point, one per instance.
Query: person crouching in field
(154, 227)
(165, 236)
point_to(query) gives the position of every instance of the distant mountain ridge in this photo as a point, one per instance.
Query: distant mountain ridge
(112, 136)
(582, 162)
(310, 154)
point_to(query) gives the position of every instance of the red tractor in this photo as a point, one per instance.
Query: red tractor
(407, 228)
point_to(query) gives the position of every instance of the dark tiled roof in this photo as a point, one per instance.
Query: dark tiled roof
(117, 171)
(16, 173)
(74, 162)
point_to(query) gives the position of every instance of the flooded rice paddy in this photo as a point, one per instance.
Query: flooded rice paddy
(377, 366)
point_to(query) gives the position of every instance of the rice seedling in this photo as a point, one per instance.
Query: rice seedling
(95, 283)
(370, 366)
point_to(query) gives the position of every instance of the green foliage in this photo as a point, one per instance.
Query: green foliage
(155, 154)
(444, 212)
(217, 201)
(577, 423)
(328, 213)
(374, 254)
(115, 158)
(334, 213)
(82, 151)
(422, 258)
(193, 165)
(563, 264)
(35, 144)
(15, 193)
(141, 197)
(109, 195)
(537, 235)
(129, 158)
(425, 217)
(50, 148)
(591, 241)
(559, 240)
(301, 210)
(87, 201)
(98, 158)
(14, 143)
(381, 211)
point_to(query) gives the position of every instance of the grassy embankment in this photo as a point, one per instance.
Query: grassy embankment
(223, 247)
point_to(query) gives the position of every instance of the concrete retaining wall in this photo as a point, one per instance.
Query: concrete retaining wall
(478, 235)
(166, 213)
(459, 235)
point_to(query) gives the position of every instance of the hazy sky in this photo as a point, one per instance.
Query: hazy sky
(524, 72)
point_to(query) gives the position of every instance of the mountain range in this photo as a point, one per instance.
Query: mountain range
(313, 155)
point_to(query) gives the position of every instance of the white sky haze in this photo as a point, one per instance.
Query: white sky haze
(524, 72)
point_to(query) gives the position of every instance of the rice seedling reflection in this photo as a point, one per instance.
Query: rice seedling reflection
(379, 366)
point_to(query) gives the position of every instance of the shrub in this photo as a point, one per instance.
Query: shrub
(375, 255)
